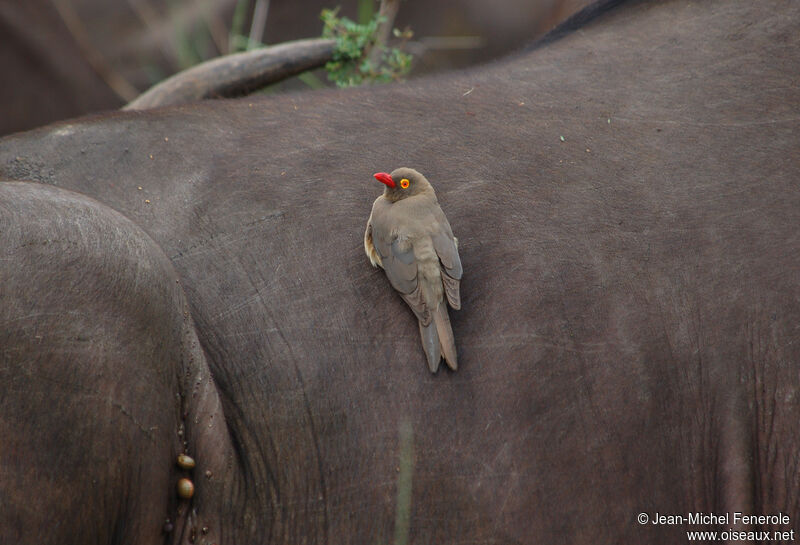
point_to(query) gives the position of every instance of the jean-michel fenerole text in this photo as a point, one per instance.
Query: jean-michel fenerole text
(727, 519)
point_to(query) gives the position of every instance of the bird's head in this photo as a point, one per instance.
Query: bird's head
(403, 182)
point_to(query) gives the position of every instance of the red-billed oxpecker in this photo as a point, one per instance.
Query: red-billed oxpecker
(409, 236)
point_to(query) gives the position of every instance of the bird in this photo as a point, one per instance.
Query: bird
(409, 237)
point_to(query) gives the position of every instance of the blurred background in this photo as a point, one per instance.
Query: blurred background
(64, 58)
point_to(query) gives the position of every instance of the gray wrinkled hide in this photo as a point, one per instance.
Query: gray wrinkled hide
(628, 335)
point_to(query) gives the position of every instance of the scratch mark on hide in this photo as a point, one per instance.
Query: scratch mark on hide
(147, 431)
(708, 124)
(505, 339)
(255, 298)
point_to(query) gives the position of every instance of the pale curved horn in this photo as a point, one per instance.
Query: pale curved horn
(237, 74)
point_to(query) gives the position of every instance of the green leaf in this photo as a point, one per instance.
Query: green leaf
(350, 65)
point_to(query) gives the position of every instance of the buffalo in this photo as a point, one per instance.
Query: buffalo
(192, 280)
(64, 58)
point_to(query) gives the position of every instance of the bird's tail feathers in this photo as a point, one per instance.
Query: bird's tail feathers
(447, 342)
(430, 343)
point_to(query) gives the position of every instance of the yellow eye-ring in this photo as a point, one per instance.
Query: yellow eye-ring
(404, 183)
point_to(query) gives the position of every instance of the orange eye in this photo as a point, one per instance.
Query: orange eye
(404, 183)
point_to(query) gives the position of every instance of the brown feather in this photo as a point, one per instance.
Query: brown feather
(446, 340)
(369, 247)
(452, 290)
(431, 345)
(415, 301)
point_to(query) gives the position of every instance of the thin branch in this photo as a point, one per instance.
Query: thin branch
(72, 21)
(149, 17)
(216, 27)
(388, 11)
(259, 24)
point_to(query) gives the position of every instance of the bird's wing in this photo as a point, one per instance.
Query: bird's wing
(447, 249)
(417, 304)
(369, 247)
(452, 289)
(445, 246)
(397, 257)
